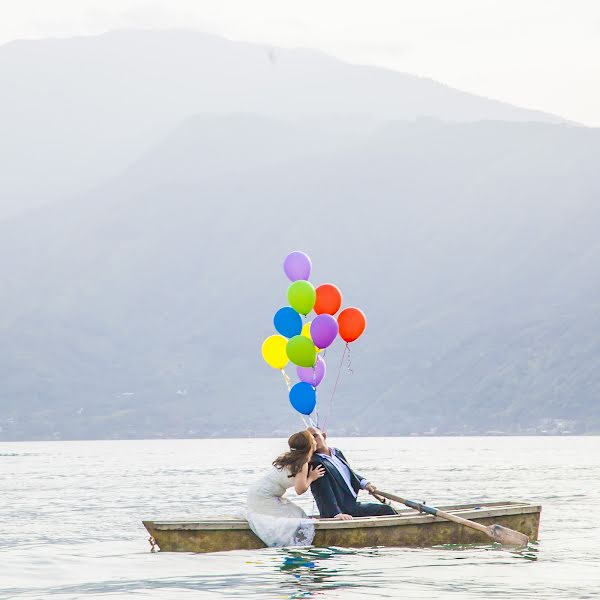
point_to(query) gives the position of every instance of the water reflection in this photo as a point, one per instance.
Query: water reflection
(311, 570)
(528, 552)
(314, 571)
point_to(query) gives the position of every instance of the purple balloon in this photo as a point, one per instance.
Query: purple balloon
(297, 266)
(313, 375)
(323, 330)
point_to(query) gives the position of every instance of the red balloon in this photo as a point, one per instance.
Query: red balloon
(329, 299)
(352, 323)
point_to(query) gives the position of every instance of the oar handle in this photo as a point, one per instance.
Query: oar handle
(435, 512)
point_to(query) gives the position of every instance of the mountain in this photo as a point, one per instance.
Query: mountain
(138, 309)
(76, 111)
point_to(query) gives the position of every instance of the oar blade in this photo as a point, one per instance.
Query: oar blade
(508, 537)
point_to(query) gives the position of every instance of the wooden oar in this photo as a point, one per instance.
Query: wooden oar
(500, 534)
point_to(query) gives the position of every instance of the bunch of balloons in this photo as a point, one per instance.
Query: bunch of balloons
(301, 342)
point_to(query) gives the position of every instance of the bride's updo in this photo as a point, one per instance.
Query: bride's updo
(302, 445)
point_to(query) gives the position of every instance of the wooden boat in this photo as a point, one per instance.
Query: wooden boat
(407, 528)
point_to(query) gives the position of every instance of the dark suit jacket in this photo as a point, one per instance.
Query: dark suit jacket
(331, 492)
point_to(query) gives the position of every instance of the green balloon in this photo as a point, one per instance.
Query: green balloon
(301, 351)
(301, 296)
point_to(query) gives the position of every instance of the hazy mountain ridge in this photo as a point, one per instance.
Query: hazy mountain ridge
(139, 310)
(76, 111)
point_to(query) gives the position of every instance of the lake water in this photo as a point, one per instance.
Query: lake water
(70, 520)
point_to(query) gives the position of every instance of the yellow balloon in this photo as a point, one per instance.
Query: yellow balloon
(273, 351)
(306, 330)
(306, 333)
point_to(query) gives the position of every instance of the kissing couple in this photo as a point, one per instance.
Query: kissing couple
(310, 463)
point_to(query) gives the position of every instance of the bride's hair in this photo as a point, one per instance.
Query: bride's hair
(301, 444)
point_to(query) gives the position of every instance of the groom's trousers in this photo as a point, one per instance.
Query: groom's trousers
(370, 509)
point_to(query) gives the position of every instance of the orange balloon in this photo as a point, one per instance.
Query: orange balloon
(352, 323)
(329, 299)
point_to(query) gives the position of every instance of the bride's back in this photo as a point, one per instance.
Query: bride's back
(273, 483)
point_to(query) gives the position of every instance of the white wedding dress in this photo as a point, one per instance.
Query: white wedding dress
(272, 517)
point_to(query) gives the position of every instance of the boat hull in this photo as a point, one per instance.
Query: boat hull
(408, 528)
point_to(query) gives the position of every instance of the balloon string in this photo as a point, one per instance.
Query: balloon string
(287, 380)
(316, 397)
(350, 360)
(334, 388)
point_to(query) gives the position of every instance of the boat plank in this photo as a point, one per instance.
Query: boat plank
(404, 517)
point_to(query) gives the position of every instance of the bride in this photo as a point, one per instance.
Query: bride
(272, 517)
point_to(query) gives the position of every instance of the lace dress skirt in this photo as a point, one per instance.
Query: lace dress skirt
(277, 521)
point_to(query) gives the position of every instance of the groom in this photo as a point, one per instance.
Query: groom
(336, 492)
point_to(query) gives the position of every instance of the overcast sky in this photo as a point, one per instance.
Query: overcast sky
(542, 54)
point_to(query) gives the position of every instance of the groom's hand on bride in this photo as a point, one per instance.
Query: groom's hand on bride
(343, 517)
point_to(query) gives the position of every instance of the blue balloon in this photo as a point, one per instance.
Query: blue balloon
(303, 397)
(288, 322)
